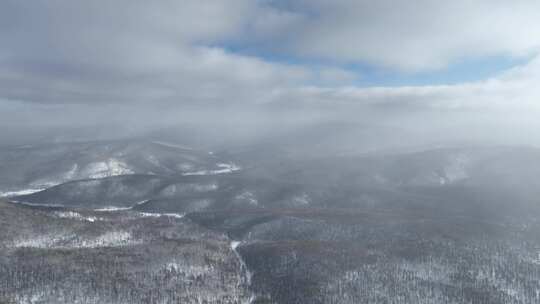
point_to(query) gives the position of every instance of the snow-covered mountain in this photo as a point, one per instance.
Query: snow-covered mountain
(31, 168)
(452, 225)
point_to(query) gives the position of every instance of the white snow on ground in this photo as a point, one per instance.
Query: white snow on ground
(72, 173)
(171, 145)
(301, 200)
(432, 272)
(49, 182)
(20, 192)
(235, 244)
(31, 297)
(234, 247)
(188, 270)
(112, 208)
(43, 241)
(244, 268)
(226, 168)
(247, 197)
(67, 241)
(455, 170)
(174, 215)
(44, 184)
(139, 203)
(110, 239)
(37, 205)
(223, 169)
(252, 299)
(202, 172)
(141, 214)
(111, 167)
(76, 216)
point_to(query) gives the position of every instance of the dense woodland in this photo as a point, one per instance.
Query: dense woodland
(442, 226)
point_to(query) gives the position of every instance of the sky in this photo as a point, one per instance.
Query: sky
(134, 61)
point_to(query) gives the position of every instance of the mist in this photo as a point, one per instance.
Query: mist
(132, 68)
(269, 151)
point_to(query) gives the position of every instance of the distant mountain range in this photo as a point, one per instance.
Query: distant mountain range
(146, 221)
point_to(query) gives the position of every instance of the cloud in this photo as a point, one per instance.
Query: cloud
(514, 90)
(169, 55)
(130, 51)
(409, 35)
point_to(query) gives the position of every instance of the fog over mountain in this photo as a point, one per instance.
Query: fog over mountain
(269, 151)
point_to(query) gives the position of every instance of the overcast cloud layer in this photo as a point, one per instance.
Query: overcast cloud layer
(61, 57)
